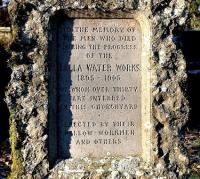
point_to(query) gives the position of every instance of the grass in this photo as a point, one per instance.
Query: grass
(192, 141)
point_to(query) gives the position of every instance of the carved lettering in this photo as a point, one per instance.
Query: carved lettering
(99, 87)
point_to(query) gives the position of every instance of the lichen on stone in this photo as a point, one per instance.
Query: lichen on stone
(16, 155)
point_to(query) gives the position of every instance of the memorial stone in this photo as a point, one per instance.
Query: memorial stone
(97, 89)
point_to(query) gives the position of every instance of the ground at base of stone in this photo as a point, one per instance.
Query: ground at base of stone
(192, 143)
(5, 160)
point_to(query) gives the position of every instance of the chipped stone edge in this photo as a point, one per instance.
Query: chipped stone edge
(146, 127)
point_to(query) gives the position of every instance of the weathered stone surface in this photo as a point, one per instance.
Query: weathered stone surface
(27, 95)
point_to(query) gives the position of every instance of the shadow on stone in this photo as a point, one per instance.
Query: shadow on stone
(59, 90)
(5, 73)
(4, 17)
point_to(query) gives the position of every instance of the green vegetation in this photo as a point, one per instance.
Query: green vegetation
(195, 168)
(195, 14)
(196, 143)
(194, 175)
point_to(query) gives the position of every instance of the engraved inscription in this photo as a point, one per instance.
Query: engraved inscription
(99, 87)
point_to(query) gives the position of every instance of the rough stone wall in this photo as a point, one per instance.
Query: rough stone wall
(27, 95)
(170, 106)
